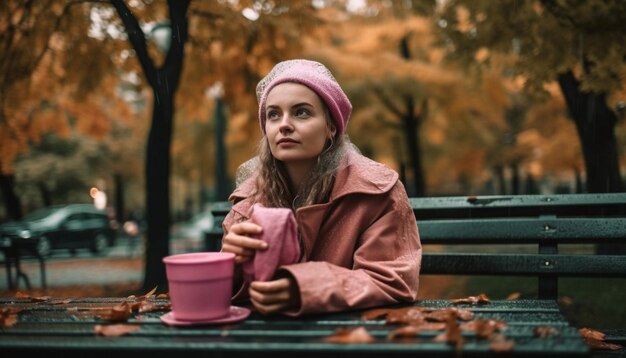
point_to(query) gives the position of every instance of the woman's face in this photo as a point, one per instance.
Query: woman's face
(296, 125)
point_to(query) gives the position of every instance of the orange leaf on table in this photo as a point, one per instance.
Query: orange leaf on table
(513, 296)
(596, 340)
(546, 331)
(115, 330)
(409, 315)
(484, 328)
(150, 294)
(480, 299)
(146, 306)
(499, 343)
(350, 335)
(441, 315)
(34, 299)
(8, 317)
(120, 312)
(592, 333)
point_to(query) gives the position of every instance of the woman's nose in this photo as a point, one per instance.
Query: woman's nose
(285, 124)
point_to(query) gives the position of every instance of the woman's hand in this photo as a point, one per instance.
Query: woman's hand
(274, 296)
(239, 242)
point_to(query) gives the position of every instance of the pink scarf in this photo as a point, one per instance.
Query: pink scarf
(280, 233)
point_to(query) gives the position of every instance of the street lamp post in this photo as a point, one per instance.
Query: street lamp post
(222, 186)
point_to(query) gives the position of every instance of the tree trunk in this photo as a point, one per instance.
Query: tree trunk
(222, 187)
(515, 179)
(164, 83)
(120, 214)
(46, 195)
(500, 180)
(12, 203)
(595, 124)
(158, 190)
(411, 125)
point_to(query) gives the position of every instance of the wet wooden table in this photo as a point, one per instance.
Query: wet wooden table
(56, 327)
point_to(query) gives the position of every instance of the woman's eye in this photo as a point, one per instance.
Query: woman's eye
(272, 115)
(302, 113)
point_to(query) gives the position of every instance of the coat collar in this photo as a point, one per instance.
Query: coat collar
(357, 175)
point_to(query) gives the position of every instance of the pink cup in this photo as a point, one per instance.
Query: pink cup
(200, 284)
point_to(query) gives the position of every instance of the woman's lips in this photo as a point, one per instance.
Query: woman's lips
(287, 141)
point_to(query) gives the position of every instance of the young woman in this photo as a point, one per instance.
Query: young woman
(359, 242)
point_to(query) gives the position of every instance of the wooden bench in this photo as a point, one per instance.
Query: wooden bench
(13, 253)
(470, 230)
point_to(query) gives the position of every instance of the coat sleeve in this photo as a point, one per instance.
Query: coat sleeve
(385, 270)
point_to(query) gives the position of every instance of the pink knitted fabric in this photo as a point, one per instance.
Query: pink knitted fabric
(313, 75)
(280, 233)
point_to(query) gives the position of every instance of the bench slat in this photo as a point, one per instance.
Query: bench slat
(524, 264)
(519, 201)
(531, 230)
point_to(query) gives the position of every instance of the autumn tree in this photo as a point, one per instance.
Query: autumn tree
(39, 93)
(420, 110)
(88, 38)
(578, 45)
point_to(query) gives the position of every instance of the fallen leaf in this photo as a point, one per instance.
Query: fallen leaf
(33, 299)
(150, 294)
(513, 296)
(441, 315)
(499, 343)
(546, 331)
(117, 313)
(350, 335)
(566, 300)
(115, 330)
(483, 328)
(591, 333)
(480, 299)
(146, 306)
(8, 317)
(595, 340)
(409, 315)
(452, 335)
(602, 345)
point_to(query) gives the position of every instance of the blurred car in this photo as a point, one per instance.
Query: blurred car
(190, 233)
(68, 226)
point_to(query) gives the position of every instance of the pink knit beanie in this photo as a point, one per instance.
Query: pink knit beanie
(313, 75)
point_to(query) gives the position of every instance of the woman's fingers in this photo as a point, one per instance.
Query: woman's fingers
(271, 296)
(246, 228)
(268, 309)
(241, 254)
(239, 242)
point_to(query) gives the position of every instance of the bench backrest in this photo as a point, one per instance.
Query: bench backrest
(471, 228)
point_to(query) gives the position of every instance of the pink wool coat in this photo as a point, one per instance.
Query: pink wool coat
(361, 249)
